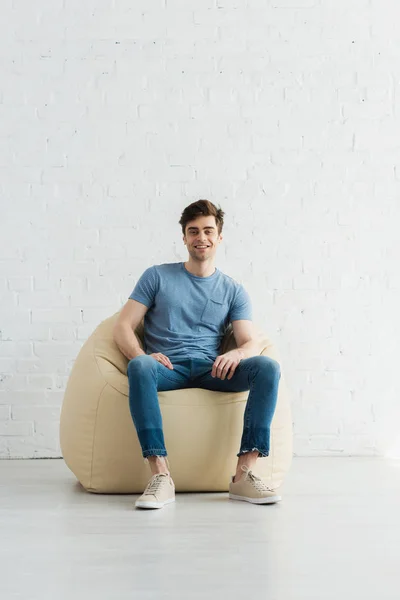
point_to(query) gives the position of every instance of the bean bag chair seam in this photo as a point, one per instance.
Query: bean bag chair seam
(94, 433)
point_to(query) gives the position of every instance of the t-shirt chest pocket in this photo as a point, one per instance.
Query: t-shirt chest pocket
(214, 312)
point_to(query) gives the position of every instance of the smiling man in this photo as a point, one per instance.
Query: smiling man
(187, 308)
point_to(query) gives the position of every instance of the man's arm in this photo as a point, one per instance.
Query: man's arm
(247, 341)
(124, 329)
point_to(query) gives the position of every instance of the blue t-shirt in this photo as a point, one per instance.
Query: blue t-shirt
(188, 315)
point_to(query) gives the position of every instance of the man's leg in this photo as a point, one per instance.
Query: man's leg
(147, 377)
(260, 375)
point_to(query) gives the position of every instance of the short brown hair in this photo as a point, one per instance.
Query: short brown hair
(202, 208)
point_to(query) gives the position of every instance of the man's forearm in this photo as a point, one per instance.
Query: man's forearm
(250, 348)
(127, 341)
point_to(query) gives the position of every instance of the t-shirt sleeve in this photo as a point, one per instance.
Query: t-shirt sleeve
(241, 307)
(146, 288)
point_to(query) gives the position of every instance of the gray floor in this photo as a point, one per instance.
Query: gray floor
(336, 534)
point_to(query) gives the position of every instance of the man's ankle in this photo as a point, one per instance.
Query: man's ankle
(159, 470)
(158, 465)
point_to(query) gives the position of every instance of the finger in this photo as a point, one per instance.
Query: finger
(166, 361)
(222, 364)
(232, 371)
(230, 366)
(220, 369)
(225, 370)
(162, 359)
(214, 368)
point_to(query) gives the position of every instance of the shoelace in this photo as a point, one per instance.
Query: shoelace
(155, 484)
(258, 483)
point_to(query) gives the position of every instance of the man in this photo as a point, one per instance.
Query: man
(187, 308)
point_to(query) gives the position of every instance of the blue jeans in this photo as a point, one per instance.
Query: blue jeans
(259, 374)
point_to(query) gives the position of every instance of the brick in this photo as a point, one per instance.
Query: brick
(5, 413)
(59, 349)
(20, 284)
(294, 3)
(21, 333)
(17, 428)
(41, 414)
(9, 348)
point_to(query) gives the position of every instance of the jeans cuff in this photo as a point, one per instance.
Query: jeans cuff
(154, 452)
(262, 452)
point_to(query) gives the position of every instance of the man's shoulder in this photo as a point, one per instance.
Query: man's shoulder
(230, 281)
(165, 267)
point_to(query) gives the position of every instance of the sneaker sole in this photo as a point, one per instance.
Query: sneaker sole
(270, 500)
(143, 504)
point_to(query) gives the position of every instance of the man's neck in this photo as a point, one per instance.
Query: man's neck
(200, 269)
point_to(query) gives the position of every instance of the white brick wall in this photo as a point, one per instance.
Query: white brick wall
(116, 114)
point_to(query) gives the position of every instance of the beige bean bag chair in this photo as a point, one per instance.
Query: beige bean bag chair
(202, 428)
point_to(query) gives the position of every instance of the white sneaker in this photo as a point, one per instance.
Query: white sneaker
(159, 491)
(251, 488)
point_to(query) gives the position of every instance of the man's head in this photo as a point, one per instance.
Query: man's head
(202, 224)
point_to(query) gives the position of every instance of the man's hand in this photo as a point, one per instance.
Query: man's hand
(226, 364)
(161, 358)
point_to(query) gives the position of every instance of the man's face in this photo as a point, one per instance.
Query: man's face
(202, 238)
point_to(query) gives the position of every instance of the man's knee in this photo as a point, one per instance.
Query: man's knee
(141, 363)
(267, 365)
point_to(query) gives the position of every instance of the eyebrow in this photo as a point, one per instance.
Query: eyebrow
(209, 227)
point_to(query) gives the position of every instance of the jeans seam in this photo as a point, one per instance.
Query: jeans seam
(247, 411)
(169, 378)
